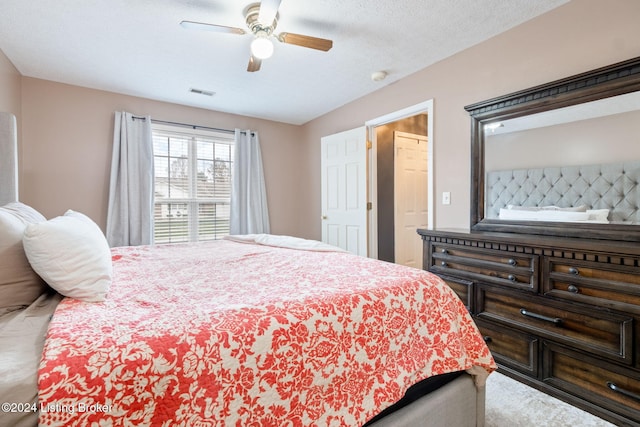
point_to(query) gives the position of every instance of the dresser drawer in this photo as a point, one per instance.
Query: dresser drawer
(511, 348)
(463, 288)
(612, 387)
(597, 331)
(490, 266)
(593, 283)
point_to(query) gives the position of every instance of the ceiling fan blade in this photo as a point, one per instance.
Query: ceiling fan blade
(191, 25)
(306, 41)
(254, 64)
(268, 11)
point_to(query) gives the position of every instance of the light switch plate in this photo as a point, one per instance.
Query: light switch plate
(446, 198)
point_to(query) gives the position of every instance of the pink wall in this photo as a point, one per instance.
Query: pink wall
(67, 138)
(609, 139)
(579, 36)
(9, 86)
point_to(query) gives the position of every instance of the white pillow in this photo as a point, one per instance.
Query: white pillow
(71, 254)
(598, 215)
(20, 286)
(581, 208)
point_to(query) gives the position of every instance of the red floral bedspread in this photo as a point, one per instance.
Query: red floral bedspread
(235, 334)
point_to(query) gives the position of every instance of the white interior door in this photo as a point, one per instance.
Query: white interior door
(344, 191)
(411, 196)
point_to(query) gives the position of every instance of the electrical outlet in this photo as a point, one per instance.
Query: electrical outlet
(446, 198)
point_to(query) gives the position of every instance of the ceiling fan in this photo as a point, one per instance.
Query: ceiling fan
(262, 19)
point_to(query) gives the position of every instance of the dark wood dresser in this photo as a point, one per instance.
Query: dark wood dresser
(559, 314)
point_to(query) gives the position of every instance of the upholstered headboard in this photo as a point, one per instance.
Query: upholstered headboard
(604, 186)
(8, 159)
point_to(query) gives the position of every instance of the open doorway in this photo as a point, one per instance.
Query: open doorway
(384, 219)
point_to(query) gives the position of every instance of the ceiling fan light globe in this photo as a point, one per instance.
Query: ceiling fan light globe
(262, 48)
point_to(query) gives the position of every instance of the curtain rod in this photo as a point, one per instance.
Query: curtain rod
(188, 125)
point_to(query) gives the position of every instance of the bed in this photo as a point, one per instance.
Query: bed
(595, 193)
(250, 330)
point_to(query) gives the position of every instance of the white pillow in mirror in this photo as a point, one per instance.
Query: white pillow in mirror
(71, 254)
(599, 215)
(581, 208)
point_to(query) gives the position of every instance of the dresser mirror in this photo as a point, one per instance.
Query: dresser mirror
(560, 159)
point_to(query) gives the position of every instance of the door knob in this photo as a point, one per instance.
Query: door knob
(324, 217)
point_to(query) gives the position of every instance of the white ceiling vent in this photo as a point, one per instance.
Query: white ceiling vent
(202, 92)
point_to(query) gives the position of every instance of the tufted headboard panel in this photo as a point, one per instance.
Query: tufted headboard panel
(605, 186)
(8, 159)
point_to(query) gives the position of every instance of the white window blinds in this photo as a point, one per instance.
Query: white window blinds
(192, 183)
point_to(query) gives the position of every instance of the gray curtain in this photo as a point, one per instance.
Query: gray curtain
(8, 159)
(130, 215)
(249, 211)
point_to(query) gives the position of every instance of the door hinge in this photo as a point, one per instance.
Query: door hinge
(369, 206)
(369, 145)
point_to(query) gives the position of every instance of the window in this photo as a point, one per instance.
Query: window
(192, 184)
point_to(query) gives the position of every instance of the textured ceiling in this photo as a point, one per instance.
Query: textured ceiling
(137, 47)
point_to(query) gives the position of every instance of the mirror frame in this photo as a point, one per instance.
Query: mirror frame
(617, 79)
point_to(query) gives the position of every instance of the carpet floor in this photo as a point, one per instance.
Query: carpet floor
(510, 403)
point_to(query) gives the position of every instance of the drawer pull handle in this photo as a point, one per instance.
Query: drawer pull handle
(487, 339)
(554, 320)
(574, 271)
(443, 263)
(512, 261)
(622, 391)
(443, 250)
(511, 277)
(573, 289)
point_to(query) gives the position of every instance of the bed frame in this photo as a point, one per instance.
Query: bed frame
(456, 402)
(604, 186)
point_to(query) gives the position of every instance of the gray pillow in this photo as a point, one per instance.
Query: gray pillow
(20, 286)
